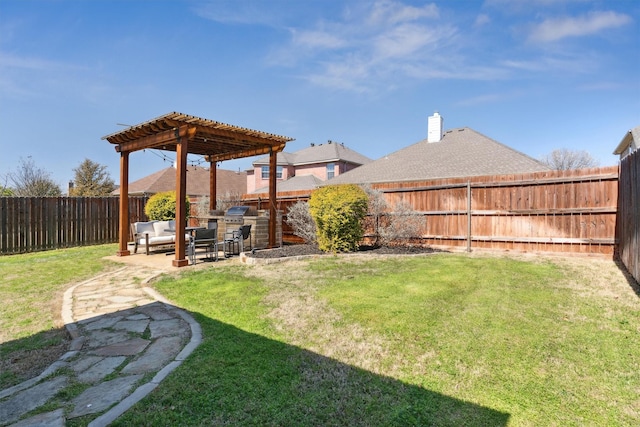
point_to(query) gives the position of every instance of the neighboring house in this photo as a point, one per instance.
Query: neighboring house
(450, 154)
(228, 182)
(630, 143)
(305, 169)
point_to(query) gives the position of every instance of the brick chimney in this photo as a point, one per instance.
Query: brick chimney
(434, 130)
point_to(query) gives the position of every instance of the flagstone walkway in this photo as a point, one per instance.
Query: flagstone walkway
(123, 333)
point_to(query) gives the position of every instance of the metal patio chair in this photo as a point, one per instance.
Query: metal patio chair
(235, 239)
(205, 238)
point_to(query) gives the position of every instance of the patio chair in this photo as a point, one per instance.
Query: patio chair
(205, 238)
(235, 239)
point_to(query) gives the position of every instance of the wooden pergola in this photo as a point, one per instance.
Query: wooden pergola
(185, 135)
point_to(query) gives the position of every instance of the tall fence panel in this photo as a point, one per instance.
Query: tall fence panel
(557, 211)
(30, 224)
(628, 229)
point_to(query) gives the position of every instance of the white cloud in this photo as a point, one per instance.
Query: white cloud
(482, 20)
(591, 23)
(391, 12)
(368, 47)
(316, 39)
(525, 6)
(486, 99)
(8, 60)
(408, 39)
(380, 45)
(238, 12)
(348, 75)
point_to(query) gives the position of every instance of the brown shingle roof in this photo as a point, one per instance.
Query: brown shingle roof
(297, 183)
(228, 181)
(321, 153)
(461, 152)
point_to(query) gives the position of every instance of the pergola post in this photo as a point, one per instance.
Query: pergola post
(181, 207)
(273, 167)
(123, 232)
(213, 182)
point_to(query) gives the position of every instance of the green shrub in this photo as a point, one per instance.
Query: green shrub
(162, 206)
(338, 211)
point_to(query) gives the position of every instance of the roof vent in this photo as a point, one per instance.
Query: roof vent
(434, 131)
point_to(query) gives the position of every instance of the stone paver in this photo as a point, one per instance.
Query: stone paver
(123, 348)
(101, 369)
(30, 399)
(122, 330)
(158, 355)
(97, 399)
(48, 419)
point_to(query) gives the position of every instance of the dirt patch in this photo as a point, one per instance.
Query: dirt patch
(306, 249)
(21, 365)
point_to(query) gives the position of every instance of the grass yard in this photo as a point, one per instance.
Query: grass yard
(31, 289)
(432, 340)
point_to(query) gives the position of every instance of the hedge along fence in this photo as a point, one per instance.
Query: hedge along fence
(558, 211)
(30, 224)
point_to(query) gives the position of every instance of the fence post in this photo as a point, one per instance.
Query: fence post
(468, 216)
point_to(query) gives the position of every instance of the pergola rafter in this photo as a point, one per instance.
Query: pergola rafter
(185, 135)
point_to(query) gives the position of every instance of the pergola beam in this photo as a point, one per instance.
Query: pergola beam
(246, 153)
(157, 140)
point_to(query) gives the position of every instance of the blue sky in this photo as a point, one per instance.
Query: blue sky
(535, 75)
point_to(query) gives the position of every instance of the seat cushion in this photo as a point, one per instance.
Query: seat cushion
(158, 240)
(144, 227)
(161, 227)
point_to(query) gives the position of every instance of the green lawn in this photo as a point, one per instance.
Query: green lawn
(31, 286)
(31, 289)
(436, 340)
(446, 339)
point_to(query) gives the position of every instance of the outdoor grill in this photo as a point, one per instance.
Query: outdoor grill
(235, 215)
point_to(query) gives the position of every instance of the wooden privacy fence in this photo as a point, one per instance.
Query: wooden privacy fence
(29, 224)
(557, 211)
(628, 230)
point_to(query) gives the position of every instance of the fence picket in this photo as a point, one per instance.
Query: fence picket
(29, 224)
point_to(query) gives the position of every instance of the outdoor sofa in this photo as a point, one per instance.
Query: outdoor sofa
(154, 233)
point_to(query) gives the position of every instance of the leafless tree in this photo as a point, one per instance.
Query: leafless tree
(376, 209)
(564, 159)
(300, 220)
(401, 225)
(228, 199)
(32, 181)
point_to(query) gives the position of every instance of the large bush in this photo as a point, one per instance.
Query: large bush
(338, 211)
(162, 206)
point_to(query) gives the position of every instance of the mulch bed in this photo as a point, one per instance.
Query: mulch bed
(307, 249)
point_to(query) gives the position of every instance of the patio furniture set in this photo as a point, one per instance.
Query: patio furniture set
(149, 234)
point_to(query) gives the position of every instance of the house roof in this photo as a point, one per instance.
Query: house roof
(228, 181)
(629, 137)
(296, 183)
(320, 153)
(461, 152)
